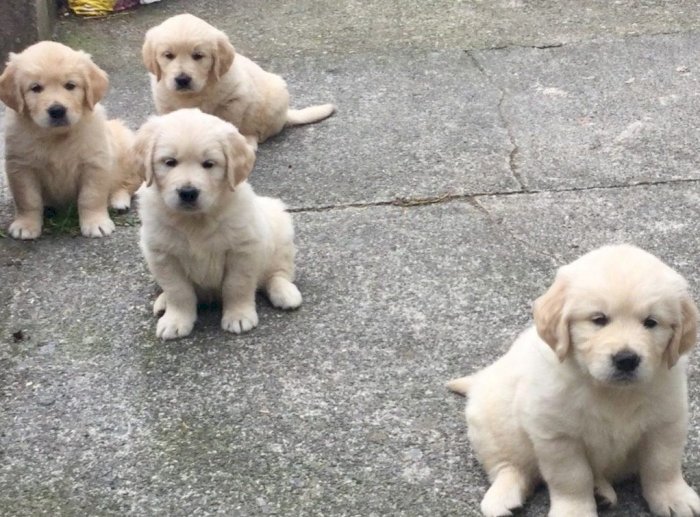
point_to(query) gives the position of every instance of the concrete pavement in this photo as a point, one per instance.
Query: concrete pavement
(477, 146)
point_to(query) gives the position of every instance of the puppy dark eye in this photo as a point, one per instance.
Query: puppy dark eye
(36, 88)
(600, 319)
(168, 55)
(650, 323)
(170, 162)
(208, 164)
(70, 85)
(197, 56)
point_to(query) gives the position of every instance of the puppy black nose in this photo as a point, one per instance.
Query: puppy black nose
(56, 111)
(183, 80)
(188, 194)
(626, 361)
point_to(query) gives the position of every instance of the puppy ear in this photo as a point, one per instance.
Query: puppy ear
(552, 325)
(96, 83)
(148, 53)
(223, 56)
(240, 158)
(144, 145)
(684, 334)
(10, 90)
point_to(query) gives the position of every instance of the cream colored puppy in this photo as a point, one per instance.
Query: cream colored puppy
(593, 393)
(205, 234)
(194, 65)
(60, 148)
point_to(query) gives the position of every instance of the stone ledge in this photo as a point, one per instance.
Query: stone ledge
(24, 22)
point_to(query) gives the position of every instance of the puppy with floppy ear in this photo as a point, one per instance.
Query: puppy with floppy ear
(593, 393)
(59, 146)
(205, 234)
(194, 65)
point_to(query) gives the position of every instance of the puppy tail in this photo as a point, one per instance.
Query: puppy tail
(309, 115)
(462, 385)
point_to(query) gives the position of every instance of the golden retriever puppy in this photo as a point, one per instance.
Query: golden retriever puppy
(205, 234)
(194, 65)
(593, 393)
(60, 148)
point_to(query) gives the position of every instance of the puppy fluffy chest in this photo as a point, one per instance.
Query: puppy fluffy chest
(205, 258)
(205, 267)
(611, 433)
(611, 426)
(58, 161)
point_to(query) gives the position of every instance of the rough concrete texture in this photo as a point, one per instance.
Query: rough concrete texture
(530, 156)
(22, 22)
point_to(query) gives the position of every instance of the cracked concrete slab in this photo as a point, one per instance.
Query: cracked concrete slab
(310, 27)
(335, 409)
(601, 113)
(339, 408)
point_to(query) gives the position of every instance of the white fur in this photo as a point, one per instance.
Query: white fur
(532, 416)
(236, 243)
(223, 83)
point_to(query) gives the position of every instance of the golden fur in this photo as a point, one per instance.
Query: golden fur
(224, 242)
(593, 393)
(58, 160)
(221, 82)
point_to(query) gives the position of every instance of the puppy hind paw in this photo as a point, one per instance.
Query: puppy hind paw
(495, 508)
(159, 305)
(120, 201)
(283, 294)
(506, 493)
(605, 495)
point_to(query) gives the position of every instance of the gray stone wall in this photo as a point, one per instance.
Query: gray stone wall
(22, 22)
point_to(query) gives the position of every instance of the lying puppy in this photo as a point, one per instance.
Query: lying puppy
(205, 234)
(593, 393)
(193, 65)
(60, 148)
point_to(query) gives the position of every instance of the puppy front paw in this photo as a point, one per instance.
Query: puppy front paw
(174, 324)
(25, 228)
(120, 201)
(240, 320)
(96, 225)
(677, 499)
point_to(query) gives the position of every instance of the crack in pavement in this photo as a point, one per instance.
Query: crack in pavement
(504, 121)
(409, 202)
(494, 220)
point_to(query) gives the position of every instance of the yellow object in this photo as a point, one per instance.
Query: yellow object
(91, 7)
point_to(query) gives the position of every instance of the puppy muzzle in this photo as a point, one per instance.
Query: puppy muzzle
(183, 82)
(625, 364)
(188, 197)
(57, 115)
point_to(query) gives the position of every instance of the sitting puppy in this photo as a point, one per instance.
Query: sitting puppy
(60, 148)
(205, 234)
(193, 65)
(595, 392)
